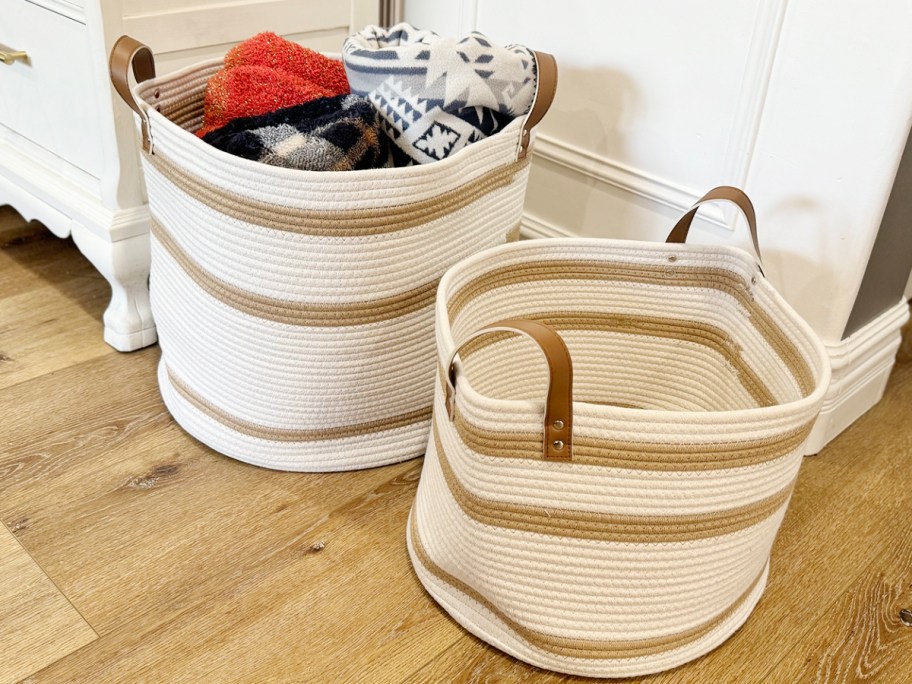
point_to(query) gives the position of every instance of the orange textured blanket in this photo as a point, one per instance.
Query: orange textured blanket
(266, 73)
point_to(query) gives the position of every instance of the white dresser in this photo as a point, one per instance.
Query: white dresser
(68, 155)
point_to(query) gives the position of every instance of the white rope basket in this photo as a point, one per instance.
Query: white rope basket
(629, 531)
(295, 308)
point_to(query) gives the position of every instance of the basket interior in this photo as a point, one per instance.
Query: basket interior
(707, 339)
(179, 97)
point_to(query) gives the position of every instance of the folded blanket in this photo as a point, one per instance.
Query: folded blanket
(266, 73)
(340, 133)
(436, 95)
(273, 51)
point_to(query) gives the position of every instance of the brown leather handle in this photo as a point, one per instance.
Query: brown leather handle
(558, 430)
(546, 71)
(128, 53)
(724, 193)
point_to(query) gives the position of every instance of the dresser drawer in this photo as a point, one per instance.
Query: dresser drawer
(51, 99)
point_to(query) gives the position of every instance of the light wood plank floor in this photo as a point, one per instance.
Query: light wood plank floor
(133, 554)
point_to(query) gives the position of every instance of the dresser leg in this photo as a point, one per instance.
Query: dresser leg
(125, 265)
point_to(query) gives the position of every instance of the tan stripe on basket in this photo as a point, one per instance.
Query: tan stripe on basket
(636, 455)
(670, 328)
(296, 313)
(185, 110)
(189, 106)
(639, 529)
(295, 435)
(337, 223)
(578, 648)
(632, 454)
(718, 279)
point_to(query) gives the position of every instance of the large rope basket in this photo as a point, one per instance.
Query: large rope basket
(295, 308)
(608, 510)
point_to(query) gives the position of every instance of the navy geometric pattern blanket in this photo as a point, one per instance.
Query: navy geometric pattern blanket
(436, 95)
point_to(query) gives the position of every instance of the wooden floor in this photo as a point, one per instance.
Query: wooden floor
(131, 553)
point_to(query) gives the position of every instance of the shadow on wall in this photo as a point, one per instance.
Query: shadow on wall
(607, 110)
(563, 196)
(790, 266)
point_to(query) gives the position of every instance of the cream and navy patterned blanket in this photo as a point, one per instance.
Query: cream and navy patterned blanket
(436, 95)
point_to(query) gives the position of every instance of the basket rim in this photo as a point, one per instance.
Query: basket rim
(404, 173)
(591, 247)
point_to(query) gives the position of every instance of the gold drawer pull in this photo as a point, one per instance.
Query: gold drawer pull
(9, 55)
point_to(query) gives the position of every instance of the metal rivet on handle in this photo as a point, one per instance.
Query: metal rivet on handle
(905, 617)
(672, 258)
(157, 93)
(558, 425)
(557, 444)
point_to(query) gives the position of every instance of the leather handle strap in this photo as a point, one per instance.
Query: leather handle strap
(558, 422)
(724, 193)
(129, 54)
(546, 71)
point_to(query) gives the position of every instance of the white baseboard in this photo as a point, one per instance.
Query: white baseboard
(861, 366)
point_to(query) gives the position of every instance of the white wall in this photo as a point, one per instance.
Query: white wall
(805, 104)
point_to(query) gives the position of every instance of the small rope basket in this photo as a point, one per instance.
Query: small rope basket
(608, 510)
(295, 308)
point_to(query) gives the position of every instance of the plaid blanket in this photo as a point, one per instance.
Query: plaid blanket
(436, 95)
(339, 133)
